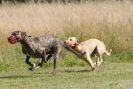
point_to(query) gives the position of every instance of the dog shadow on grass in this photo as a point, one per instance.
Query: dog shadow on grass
(17, 76)
(73, 70)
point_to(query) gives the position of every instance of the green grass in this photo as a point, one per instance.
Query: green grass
(68, 59)
(73, 73)
(111, 22)
(108, 76)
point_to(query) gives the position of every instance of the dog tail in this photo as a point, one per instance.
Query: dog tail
(108, 53)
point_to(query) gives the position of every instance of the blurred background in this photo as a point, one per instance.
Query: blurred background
(110, 21)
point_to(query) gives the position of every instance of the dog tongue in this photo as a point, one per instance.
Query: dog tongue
(12, 40)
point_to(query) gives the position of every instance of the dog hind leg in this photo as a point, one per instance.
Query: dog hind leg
(48, 56)
(38, 65)
(57, 59)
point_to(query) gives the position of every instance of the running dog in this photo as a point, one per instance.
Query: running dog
(37, 47)
(87, 49)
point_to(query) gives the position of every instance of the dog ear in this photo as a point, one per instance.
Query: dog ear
(77, 41)
(24, 34)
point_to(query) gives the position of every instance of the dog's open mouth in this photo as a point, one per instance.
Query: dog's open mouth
(69, 46)
(12, 39)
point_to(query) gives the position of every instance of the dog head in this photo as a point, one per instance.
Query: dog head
(72, 42)
(16, 36)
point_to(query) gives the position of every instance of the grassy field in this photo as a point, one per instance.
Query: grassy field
(111, 22)
(108, 76)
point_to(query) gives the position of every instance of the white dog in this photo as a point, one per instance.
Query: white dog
(87, 49)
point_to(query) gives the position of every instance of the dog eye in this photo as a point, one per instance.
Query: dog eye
(70, 39)
(14, 34)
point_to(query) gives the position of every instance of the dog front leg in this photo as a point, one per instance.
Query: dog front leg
(29, 63)
(89, 61)
(40, 64)
(44, 57)
(57, 59)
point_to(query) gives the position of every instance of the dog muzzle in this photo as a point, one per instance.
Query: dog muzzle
(72, 46)
(12, 39)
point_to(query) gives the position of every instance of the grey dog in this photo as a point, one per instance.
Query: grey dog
(38, 47)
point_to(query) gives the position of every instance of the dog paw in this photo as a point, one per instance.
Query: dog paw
(45, 61)
(31, 69)
(98, 64)
(39, 65)
(93, 69)
(95, 63)
(34, 65)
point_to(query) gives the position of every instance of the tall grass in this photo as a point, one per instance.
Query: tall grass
(111, 22)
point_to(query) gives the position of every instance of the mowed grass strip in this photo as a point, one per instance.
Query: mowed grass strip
(109, 76)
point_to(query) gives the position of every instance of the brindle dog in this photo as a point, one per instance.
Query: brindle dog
(38, 47)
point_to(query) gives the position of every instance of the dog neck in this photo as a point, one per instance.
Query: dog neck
(79, 47)
(25, 41)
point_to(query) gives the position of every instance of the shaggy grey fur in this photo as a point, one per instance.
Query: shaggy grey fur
(39, 47)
